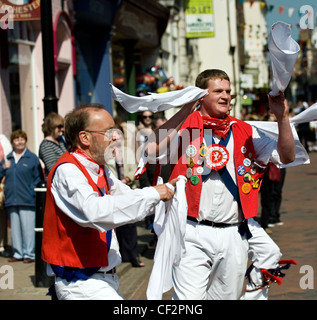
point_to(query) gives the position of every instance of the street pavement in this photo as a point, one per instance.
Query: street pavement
(297, 239)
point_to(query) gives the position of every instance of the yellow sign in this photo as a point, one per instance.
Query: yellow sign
(199, 19)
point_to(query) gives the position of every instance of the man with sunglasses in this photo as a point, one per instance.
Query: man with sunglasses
(85, 203)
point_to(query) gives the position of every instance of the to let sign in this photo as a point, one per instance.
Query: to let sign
(199, 18)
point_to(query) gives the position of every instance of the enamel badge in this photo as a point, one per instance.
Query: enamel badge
(218, 157)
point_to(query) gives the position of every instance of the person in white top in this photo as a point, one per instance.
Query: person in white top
(217, 249)
(82, 207)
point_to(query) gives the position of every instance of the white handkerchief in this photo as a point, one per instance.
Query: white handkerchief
(308, 115)
(270, 129)
(284, 51)
(170, 226)
(157, 101)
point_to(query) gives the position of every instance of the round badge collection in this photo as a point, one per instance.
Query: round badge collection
(215, 158)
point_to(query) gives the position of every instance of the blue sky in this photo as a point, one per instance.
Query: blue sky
(294, 19)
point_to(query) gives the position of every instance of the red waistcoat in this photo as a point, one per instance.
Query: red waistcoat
(243, 148)
(65, 242)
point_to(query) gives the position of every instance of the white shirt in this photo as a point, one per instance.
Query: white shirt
(76, 198)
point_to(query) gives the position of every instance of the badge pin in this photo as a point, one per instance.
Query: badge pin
(241, 170)
(200, 170)
(246, 188)
(255, 183)
(243, 149)
(247, 162)
(218, 157)
(191, 151)
(194, 179)
(189, 172)
(203, 151)
(191, 162)
(247, 177)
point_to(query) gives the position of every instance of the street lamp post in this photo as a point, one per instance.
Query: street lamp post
(50, 99)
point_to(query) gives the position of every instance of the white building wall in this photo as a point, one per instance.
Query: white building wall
(214, 53)
(255, 38)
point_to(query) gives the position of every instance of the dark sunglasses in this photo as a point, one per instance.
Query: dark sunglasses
(144, 117)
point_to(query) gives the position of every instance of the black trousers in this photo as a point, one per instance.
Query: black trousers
(128, 241)
(271, 199)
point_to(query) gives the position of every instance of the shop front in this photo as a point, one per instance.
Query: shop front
(22, 85)
(137, 31)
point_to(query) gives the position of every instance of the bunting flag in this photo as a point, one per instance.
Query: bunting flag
(280, 10)
(262, 5)
(290, 11)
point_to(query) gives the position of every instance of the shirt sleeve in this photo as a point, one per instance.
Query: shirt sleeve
(265, 147)
(77, 199)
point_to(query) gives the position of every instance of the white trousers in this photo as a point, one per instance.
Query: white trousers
(264, 254)
(214, 264)
(98, 287)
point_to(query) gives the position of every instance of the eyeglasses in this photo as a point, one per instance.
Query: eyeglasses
(144, 117)
(60, 127)
(107, 133)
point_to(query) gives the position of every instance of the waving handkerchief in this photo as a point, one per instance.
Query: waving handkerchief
(308, 115)
(157, 101)
(270, 129)
(283, 53)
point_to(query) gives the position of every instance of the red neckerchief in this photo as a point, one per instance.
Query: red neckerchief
(219, 126)
(102, 180)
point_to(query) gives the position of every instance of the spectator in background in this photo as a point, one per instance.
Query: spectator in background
(23, 172)
(145, 128)
(158, 121)
(5, 149)
(123, 167)
(148, 177)
(53, 145)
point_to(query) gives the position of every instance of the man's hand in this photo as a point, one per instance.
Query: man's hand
(278, 105)
(164, 191)
(285, 142)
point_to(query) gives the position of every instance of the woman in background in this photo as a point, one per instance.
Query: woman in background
(23, 172)
(53, 145)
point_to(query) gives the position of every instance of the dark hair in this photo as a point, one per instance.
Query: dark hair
(51, 121)
(17, 134)
(76, 121)
(204, 77)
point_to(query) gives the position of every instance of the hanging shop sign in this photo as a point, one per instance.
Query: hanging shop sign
(23, 10)
(199, 18)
